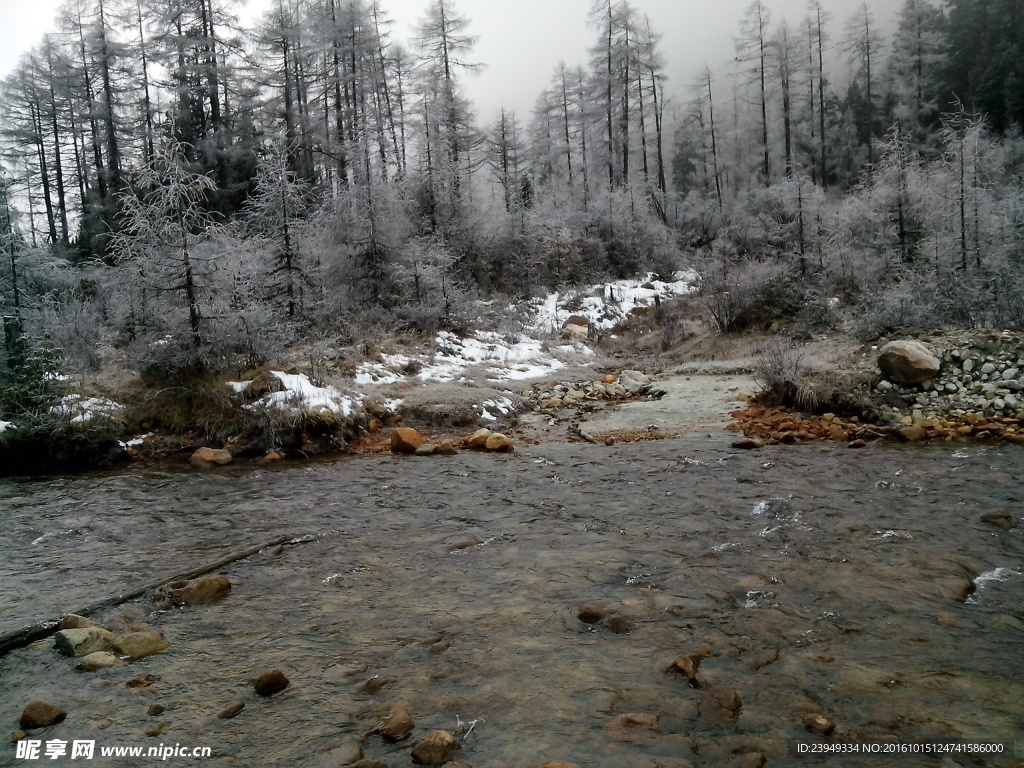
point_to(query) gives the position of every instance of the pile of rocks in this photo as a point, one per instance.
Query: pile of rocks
(409, 441)
(979, 375)
(546, 396)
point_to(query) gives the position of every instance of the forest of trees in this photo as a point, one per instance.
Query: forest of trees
(184, 188)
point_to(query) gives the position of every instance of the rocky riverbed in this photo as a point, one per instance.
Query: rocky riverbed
(656, 604)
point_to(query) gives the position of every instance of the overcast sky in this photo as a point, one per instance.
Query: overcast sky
(522, 41)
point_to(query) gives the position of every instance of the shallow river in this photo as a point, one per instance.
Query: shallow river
(823, 579)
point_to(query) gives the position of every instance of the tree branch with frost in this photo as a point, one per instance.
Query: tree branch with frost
(160, 223)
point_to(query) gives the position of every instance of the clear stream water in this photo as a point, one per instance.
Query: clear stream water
(824, 579)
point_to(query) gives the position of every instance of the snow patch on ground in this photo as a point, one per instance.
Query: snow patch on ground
(607, 304)
(511, 357)
(79, 409)
(503, 405)
(505, 357)
(300, 394)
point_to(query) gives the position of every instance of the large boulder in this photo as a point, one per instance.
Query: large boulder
(908, 362)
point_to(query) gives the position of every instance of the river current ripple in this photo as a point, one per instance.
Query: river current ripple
(824, 580)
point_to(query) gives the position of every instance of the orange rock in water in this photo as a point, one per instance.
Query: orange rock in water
(406, 440)
(436, 749)
(397, 725)
(819, 724)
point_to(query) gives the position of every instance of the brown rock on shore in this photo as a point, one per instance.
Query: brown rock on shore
(406, 440)
(478, 439)
(205, 458)
(498, 442)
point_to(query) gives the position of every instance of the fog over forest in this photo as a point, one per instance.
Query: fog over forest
(179, 190)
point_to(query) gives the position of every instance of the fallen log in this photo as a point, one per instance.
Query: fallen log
(19, 638)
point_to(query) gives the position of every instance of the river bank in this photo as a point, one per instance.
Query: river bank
(862, 586)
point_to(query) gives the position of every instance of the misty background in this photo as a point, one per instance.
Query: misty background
(520, 43)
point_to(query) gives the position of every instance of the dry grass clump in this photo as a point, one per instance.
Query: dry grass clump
(790, 376)
(205, 411)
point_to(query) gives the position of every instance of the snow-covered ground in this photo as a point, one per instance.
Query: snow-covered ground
(529, 353)
(83, 410)
(510, 357)
(607, 304)
(300, 394)
(505, 358)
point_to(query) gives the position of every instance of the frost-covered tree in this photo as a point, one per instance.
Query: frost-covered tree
(161, 223)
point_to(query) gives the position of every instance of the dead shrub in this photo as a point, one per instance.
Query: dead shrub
(788, 377)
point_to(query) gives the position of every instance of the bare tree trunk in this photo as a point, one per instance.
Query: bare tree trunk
(565, 118)
(44, 172)
(714, 142)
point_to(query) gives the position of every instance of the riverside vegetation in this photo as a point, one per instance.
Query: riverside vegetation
(153, 255)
